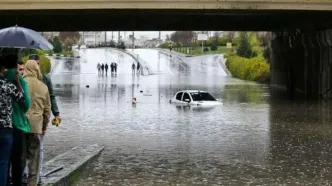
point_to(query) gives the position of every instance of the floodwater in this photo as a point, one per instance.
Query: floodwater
(250, 140)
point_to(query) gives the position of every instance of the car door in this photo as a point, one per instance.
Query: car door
(178, 97)
(186, 98)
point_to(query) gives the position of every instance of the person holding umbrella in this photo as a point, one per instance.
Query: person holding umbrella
(8, 92)
(20, 122)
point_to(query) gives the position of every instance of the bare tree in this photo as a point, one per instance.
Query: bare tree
(74, 35)
(230, 36)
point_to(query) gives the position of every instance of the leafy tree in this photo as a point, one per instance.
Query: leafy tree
(230, 36)
(253, 39)
(223, 41)
(184, 37)
(112, 44)
(69, 42)
(244, 48)
(264, 38)
(64, 35)
(57, 45)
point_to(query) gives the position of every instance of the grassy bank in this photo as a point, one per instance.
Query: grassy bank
(45, 63)
(64, 53)
(253, 69)
(198, 50)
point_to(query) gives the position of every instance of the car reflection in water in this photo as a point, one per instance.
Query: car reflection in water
(195, 108)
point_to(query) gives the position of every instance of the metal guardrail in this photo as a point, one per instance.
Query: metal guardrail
(146, 68)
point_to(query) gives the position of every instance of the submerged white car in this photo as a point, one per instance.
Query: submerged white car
(195, 97)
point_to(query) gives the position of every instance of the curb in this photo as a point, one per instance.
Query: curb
(70, 165)
(145, 69)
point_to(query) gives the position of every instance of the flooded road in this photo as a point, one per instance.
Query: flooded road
(250, 140)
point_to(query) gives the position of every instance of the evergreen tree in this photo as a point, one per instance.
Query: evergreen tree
(57, 45)
(244, 47)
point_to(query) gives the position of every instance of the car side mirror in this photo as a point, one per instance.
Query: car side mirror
(187, 100)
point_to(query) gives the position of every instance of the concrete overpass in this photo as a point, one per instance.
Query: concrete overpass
(98, 15)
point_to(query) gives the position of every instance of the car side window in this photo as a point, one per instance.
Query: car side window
(179, 96)
(186, 96)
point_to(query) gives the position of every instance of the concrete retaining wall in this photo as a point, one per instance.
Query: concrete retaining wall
(301, 60)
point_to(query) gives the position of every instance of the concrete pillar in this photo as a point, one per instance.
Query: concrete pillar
(301, 61)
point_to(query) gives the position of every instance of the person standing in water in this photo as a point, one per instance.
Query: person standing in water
(106, 68)
(138, 69)
(112, 67)
(133, 69)
(98, 68)
(116, 68)
(102, 69)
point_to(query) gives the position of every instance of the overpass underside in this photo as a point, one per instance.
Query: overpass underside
(165, 19)
(301, 55)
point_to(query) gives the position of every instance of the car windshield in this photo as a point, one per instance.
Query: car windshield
(202, 96)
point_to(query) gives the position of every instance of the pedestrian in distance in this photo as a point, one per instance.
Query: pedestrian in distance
(138, 69)
(116, 68)
(133, 66)
(38, 116)
(99, 68)
(112, 68)
(106, 68)
(102, 69)
(19, 121)
(8, 92)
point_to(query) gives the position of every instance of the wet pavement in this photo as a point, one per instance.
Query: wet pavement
(250, 140)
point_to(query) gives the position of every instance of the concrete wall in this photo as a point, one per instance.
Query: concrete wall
(167, 4)
(301, 61)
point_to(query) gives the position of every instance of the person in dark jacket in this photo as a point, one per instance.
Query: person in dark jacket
(102, 68)
(106, 68)
(8, 92)
(138, 69)
(116, 68)
(54, 107)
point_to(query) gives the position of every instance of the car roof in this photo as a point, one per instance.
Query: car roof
(192, 91)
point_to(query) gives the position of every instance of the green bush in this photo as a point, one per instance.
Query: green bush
(214, 47)
(254, 69)
(223, 41)
(206, 49)
(45, 63)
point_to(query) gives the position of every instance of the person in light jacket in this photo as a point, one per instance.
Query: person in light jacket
(54, 107)
(38, 116)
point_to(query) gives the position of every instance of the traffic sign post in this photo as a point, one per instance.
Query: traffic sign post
(202, 37)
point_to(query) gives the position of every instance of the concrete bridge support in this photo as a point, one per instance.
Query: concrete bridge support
(301, 61)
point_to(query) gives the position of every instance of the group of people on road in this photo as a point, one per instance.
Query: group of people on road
(134, 67)
(26, 103)
(104, 68)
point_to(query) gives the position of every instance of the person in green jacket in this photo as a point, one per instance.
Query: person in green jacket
(20, 122)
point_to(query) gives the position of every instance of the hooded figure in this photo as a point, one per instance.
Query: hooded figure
(38, 116)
